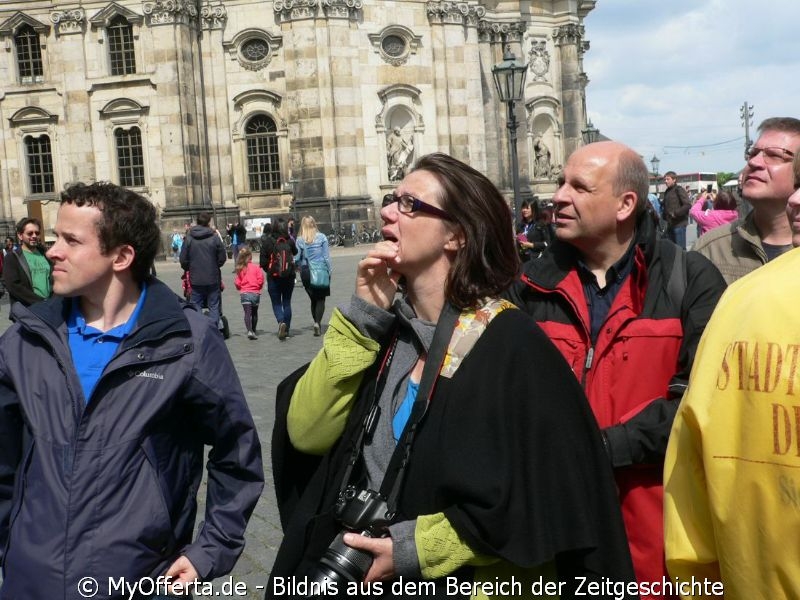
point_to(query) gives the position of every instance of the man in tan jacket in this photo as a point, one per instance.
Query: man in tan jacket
(767, 182)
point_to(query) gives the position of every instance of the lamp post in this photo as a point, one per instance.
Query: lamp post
(509, 77)
(591, 133)
(654, 162)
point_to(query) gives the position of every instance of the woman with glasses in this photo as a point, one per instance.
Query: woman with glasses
(452, 433)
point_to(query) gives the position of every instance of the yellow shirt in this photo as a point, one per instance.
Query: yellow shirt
(732, 470)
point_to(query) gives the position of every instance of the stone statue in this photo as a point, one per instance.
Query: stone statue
(542, 169)
(398, 153)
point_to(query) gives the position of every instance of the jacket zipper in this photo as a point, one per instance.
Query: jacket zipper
(587, 365)
(571, 302)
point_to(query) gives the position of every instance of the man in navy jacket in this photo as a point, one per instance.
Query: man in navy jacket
(203, 255)
(109, 392)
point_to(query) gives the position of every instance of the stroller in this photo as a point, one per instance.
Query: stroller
(186, 286)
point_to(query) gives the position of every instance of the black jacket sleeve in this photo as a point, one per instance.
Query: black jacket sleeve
(220, 249)
(539, 236)
(17, 282)
(11, 430)
(184, 256)
(684, 204)
(643, 438)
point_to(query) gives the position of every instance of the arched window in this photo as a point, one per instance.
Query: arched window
(120, 47)
(40, 164)
(263, 164)
(29, 55)
(130, 159)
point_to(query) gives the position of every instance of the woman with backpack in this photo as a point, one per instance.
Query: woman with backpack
(277, 261)
(314, 259)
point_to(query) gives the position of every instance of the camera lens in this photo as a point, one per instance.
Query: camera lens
(341, 564)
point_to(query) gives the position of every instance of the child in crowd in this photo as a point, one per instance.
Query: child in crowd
(249, 281)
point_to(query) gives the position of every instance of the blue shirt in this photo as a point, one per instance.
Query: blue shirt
(404, 410)
(93, 349)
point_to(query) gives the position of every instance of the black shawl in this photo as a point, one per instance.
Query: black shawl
(509, 450)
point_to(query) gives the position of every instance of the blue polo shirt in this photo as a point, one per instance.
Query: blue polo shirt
(93, 349)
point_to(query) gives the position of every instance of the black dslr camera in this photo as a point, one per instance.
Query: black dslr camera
(363, 512)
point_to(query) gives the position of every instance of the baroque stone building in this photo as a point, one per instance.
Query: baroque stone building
(260, 108)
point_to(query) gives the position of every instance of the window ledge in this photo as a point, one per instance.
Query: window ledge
(45, 198)
(110, 81)
(29, 88)
(255, 194)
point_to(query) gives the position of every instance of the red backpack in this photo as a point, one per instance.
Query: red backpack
(281, 261)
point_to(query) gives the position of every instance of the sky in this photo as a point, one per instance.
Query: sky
(670, 77)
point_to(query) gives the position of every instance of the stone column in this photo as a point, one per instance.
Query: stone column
(297, 21)
(324, 108)
(212, 91)
(76, 146)
(494, 37)
(174, 36)
(568, 39)
(457, 80)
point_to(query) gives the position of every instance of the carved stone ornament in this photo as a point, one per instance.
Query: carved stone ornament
(293, 10)
(253, 48)
(395, 43)
(342, 9)
(542, 165)
(454, 13)
(399, 152)
(571, 33)
(214, 17)
(490, 31)
(168, 12)
(68, 21)
(539, 60)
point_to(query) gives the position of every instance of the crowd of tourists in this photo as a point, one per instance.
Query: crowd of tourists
(582, 408)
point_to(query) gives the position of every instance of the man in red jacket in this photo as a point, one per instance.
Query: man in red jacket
(627, 312)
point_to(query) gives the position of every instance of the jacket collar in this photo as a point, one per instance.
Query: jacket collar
(748, 230)
(419, 329)
(549, 270)
(161, 313)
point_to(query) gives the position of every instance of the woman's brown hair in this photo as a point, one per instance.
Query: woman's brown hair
(487, 263)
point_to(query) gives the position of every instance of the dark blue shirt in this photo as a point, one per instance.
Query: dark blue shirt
(93, 349)
(600, 300)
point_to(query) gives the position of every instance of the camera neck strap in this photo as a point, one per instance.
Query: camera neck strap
(393, 479)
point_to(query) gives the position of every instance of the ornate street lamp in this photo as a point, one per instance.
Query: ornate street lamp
(591, 133)
(654, 162)
(509, 77)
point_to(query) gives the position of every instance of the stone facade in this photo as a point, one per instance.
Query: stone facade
(263, 108)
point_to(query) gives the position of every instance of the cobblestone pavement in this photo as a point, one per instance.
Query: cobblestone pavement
(261, 365)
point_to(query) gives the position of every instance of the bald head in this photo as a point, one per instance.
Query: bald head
(630, 174)
(601, 192)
